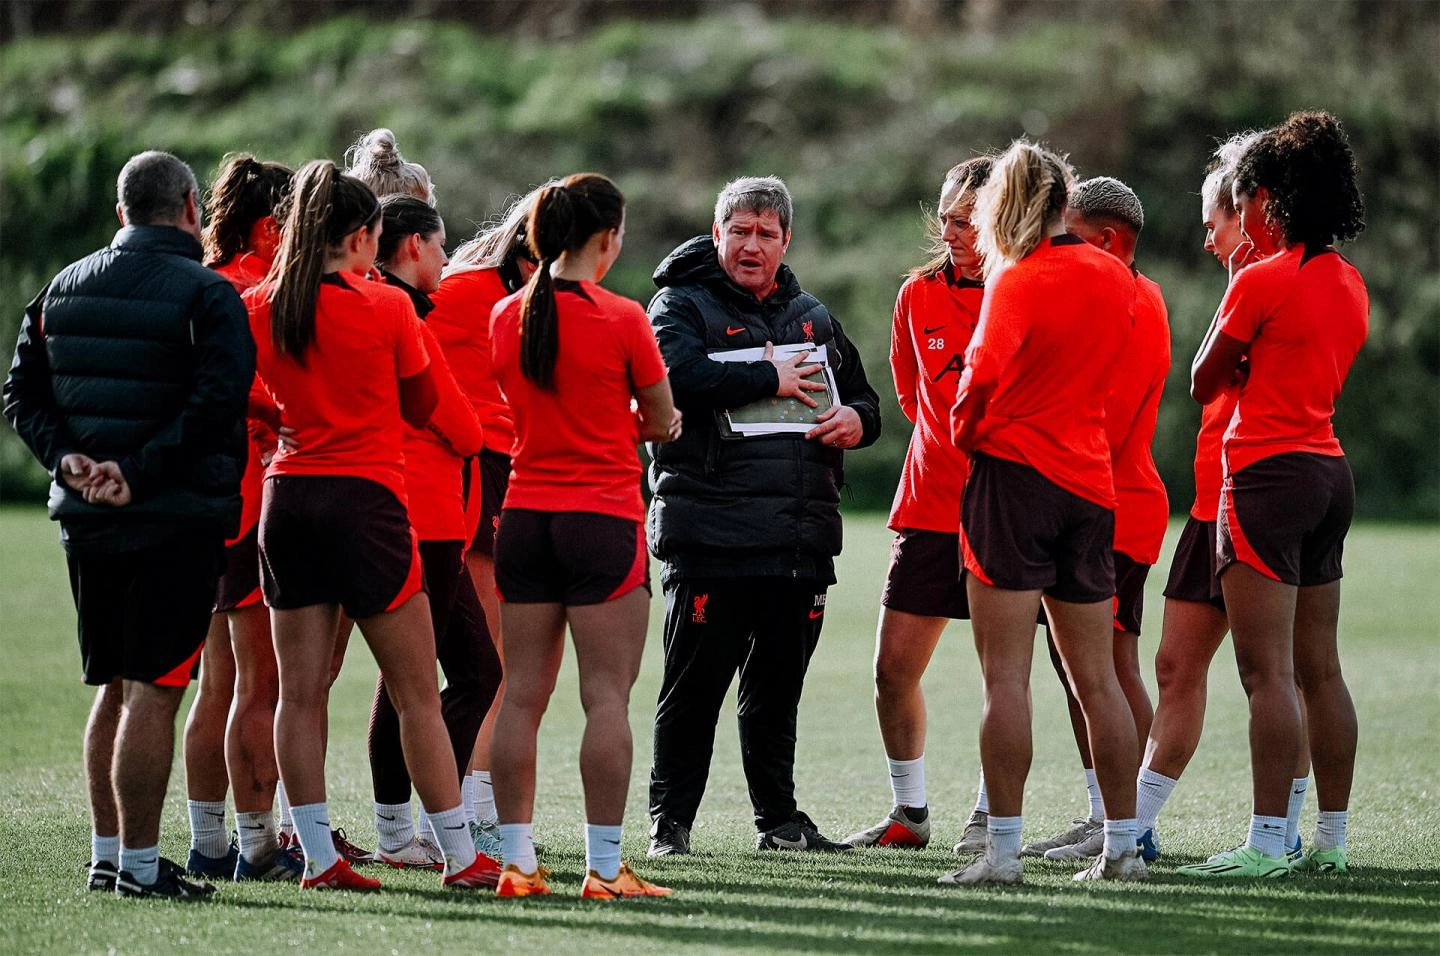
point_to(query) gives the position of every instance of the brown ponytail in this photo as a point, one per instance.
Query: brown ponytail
(321, 211)
(563, 219)
(245, 192)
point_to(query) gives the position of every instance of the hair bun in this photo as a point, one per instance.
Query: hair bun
(380, 144)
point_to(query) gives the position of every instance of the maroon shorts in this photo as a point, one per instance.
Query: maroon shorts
(143, 615)
(925, 575)
(568, 557)
(494, 482)
(1019, 531)
(336, 540)
(1130, 578)
(240, 583)
(1286, 516)
(1192, 569)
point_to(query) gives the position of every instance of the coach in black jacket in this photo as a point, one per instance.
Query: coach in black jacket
(747, 528)
(129, 385)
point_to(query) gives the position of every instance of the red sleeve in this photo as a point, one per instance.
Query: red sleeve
(903, 366)
(453, 419)
(999, 334)
(646, 366)
(1242, 311)
(410, 355)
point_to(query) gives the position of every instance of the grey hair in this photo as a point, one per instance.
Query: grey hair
(375, 160)
(1106, 197)
(152, 188)
(1220, 174)
(757, 194)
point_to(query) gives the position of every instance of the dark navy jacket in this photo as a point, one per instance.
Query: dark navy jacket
(741, 507)
(138, 354)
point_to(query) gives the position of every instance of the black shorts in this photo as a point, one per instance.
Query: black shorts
(336, 540)
(568, 557)
(1286, 516)
(494, 470)
(240, 583)
(925, 575)
(1130, 578)
(1019, 531)
(1192, 569)
(143, 615)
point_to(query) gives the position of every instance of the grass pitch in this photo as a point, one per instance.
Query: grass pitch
(730, 899)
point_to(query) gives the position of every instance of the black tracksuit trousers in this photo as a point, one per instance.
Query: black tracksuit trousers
(766, 628)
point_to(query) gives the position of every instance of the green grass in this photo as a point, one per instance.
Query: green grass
(727, 897)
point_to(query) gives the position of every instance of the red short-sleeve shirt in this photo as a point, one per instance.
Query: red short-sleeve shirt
(245, 271)
(575, 447)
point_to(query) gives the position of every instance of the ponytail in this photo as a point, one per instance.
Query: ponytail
(1023, 198)
(245, 191)
(321, 211)
(563, 218)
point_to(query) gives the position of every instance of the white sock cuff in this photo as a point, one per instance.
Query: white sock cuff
(106, 849)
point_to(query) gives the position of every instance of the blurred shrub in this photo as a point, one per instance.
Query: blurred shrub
(861, 121)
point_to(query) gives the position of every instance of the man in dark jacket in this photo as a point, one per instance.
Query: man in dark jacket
(747, 527)
(129, 385)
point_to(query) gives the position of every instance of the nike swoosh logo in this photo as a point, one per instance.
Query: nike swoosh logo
(212, 813)
(153, 859)
(460, 827)
(384, 817)
(896, 776)
(323, 823)
(937, 328)
(1298, 792)
(252, 826)
(785, 844)
(613, 842)
(730, 331)
(816, 614)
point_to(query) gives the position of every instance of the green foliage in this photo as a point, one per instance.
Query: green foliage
(862, 122)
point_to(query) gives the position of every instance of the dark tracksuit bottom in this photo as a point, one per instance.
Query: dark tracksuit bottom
(766, 629)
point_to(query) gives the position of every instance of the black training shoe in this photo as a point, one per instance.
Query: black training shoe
(101, 876)
(668, 838)
(799, 834)
(170, 884)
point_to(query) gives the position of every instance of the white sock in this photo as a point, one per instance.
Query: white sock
(907, 781)
(207, 828)
(1120, 837)
(104, 849)
(393, 825)
(1298, 788)
(602, 850)
(1004, 835)
(425, 829)
(1097, 803)
(312, 826)
(1330, 829)
(1151, 791)
(257, 836)
(467, 797)
(484, 796)
(982, 798)
(142, 864)
(517, 846)
(1267, 834)
(282, 803)
(452, 834)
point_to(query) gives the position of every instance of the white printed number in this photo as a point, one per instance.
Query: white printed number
(935, 344)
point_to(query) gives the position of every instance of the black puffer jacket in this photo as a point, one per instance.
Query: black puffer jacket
(138, 354)
(732, 507)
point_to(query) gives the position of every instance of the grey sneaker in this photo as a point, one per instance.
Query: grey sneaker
(897, 829)
(1080, 829)
(986, 871)
(1128, 867)
(976, 836)
(485, 834)
(1086, 849)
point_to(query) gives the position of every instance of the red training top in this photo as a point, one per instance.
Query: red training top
(244, 272)
(1052, 331)
(934, 319)
(1214, 419)
(344, 401)
(461, 323)
(575, 446)
(1305, 315)
(435, 456)
(1142, 508)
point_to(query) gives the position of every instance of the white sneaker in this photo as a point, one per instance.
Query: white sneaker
(976, 836)
(1086, 849)
(984, 871)
(1128, 867)
(1080, 829)
(418, 854)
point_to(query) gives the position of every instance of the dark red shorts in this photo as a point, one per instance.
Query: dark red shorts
(336, 540)
(1020, 531)
(925, 575)
(240, 583)
(494, 482)
(1192, 569)
(143, 615)
(1286, 516)
(568, 557)
(1130, 578)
